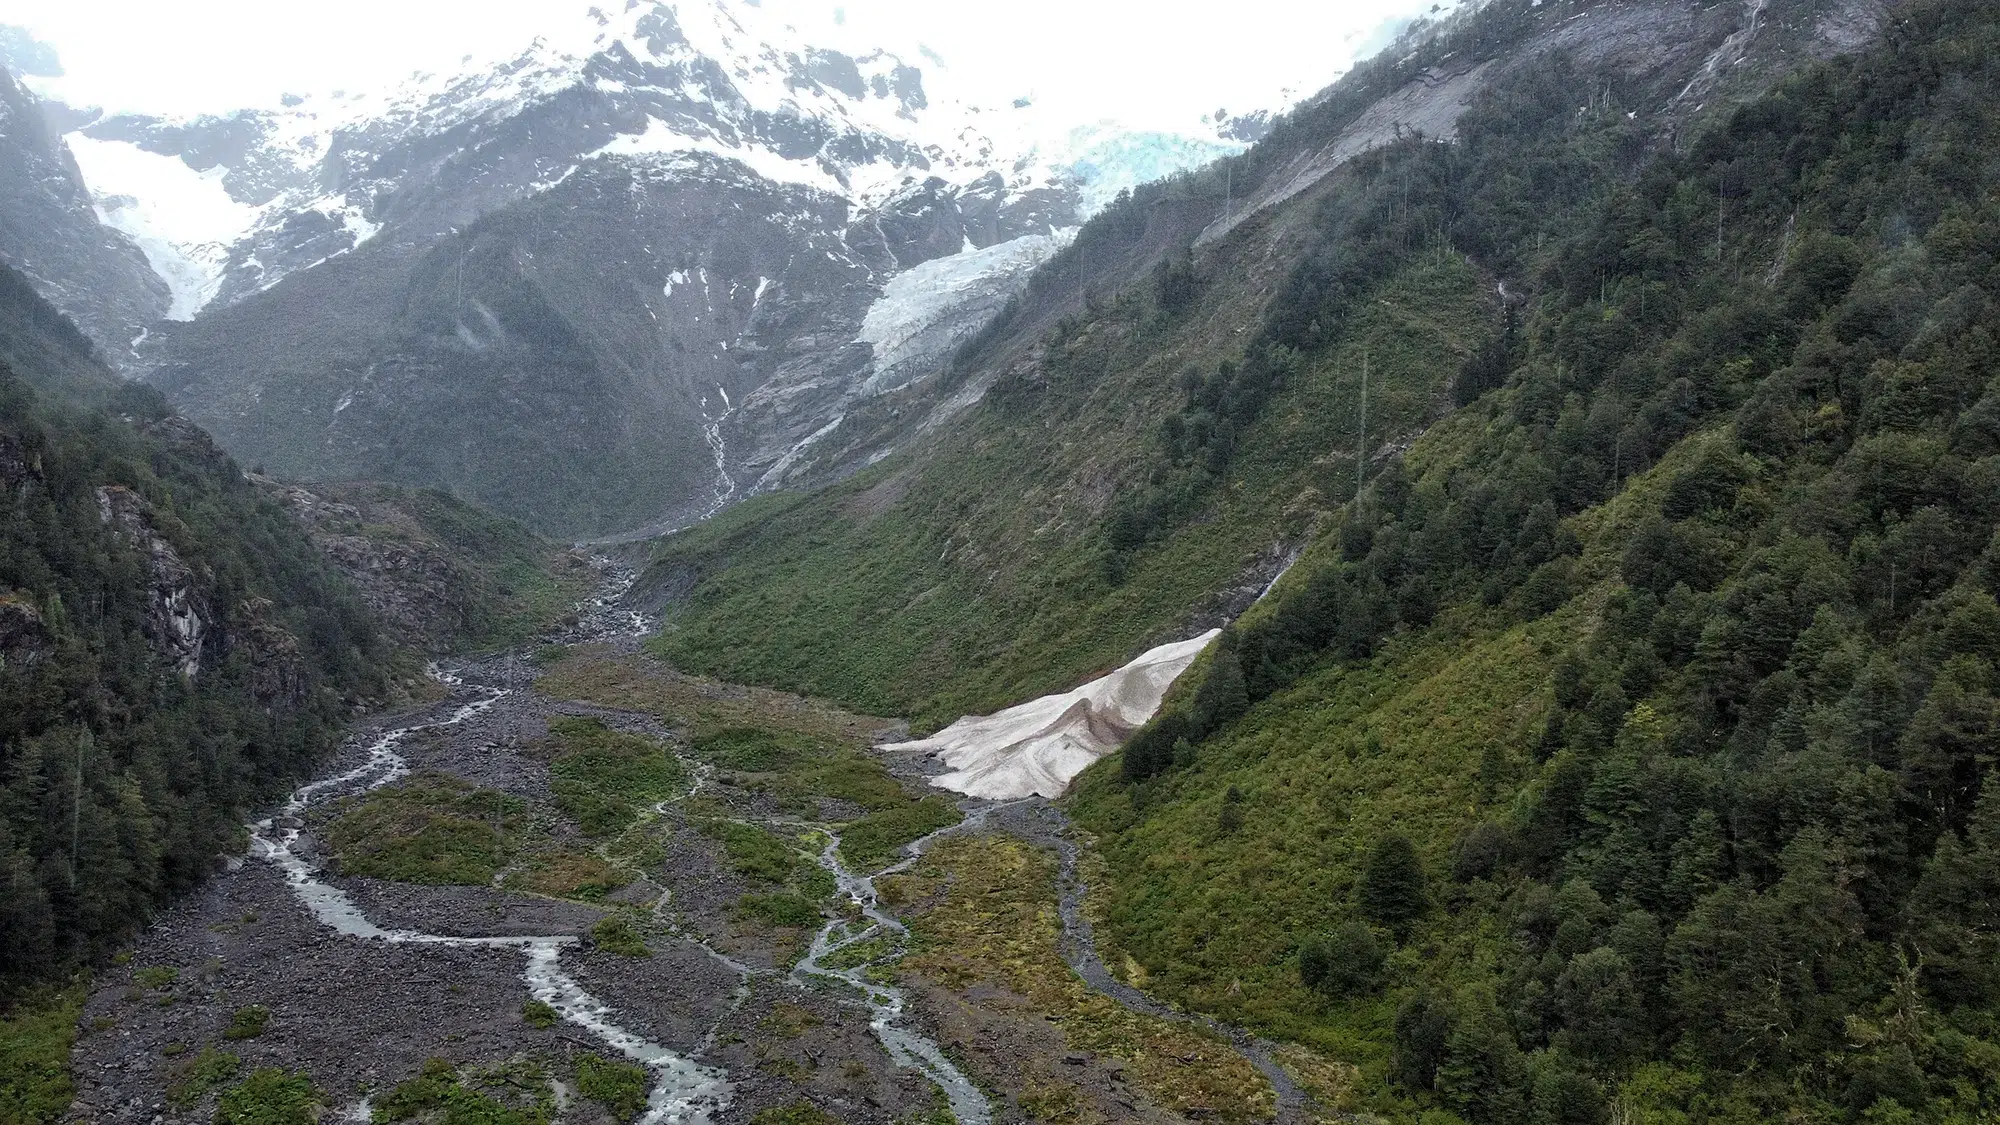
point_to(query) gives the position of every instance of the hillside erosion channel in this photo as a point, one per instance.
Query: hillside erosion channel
(282, 961)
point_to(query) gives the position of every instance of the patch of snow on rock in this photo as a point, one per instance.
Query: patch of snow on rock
(1038, 747)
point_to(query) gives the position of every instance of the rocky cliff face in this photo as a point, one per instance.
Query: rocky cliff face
(414, 588)
(24, 638)
(49, 230)
(181, 616)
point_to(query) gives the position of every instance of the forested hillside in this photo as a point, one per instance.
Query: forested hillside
(1618, 744)
(172, 648)
(1627, 744)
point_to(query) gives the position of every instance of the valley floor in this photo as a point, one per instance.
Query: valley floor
(685, 925)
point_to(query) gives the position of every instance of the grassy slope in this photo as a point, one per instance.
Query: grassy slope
(971, 577)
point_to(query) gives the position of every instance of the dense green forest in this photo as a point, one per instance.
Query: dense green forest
(1640, 720)
(172, 649)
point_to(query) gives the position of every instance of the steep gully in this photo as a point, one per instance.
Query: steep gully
(685, 1090)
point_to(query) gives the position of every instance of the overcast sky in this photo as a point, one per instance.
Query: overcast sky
(1132, 60)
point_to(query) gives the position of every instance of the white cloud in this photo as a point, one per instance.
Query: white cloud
(1140, 61)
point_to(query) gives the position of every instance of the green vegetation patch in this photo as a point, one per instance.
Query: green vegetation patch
(614, 934)
(861, 953)
(992, 920)
(620, 1087)
(797, 769)
(248, 1022)
(35, 1040)
(159, 977)
(789, 1021)
(872, 842)
(270, 1096)
(603, 778)
(510, 1094)
(757, 854)
(538, 1014)
(211, 1069)
(430, 828)
(779, 908)
(571, 875)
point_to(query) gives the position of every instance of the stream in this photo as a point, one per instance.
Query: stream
(909, 1049)
(1041, 823)
(683, 1091)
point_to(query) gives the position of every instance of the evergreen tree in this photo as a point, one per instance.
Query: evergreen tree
(1346, 962)
(1393, 889)
(1954, 912)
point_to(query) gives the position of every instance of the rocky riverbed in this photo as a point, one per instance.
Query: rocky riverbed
(358, 982)
(362, 1012)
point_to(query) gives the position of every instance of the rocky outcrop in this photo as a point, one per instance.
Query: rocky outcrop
(413, 587)
(17, 465)
(181, 617)
(1659, 45)
(437, 574)
(279, 679)
(24, 636)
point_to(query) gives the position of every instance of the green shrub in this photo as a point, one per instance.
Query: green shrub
(35, 1041)
(270, 1097)
(601, 777)
(615, 935)
(753, 749)
(209, 1070)
(779, 908)
(539, 1014)
(156, 976)
(873, 841)
(247, 1023)
(512, 1094)
(1346, 962)
(753, 853)
(618, 1086)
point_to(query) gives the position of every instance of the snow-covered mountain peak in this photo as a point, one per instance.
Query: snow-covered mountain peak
(262, 193)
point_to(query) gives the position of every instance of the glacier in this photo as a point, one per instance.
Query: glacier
(928, 310)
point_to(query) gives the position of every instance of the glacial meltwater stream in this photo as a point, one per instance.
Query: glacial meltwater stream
(683, 1090)
(968, 1104)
